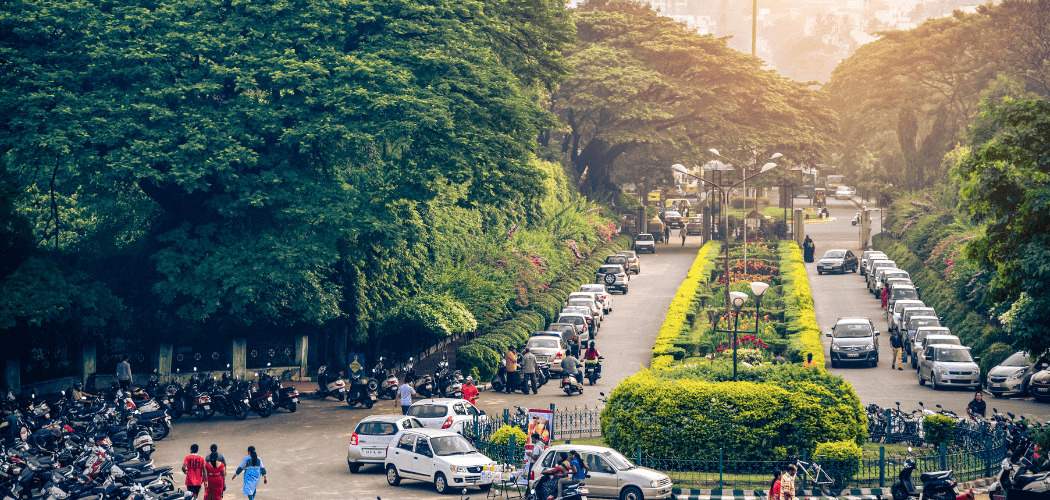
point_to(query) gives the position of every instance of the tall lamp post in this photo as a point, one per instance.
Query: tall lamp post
(764, 168)
(724, 191)
(737, 301)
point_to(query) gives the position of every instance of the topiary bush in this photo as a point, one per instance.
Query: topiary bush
(841, 459)
(504, 433)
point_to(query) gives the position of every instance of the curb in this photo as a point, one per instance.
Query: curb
(851, 494)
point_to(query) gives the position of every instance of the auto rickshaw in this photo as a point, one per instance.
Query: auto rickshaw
(820, 197)
(656, 227)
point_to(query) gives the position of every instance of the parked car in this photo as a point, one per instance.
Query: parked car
(644, 242)
(619, 259)
(595, 298)
(634, 264)
(919, 342)
(569, 329)
(695, 226)
(868, 255)
(884, 274)
(873, 268)
(583, 327)
(548, 349)
(446, 413)
(596, 310)
(906, 315)
(612, 475)
(837, 260)
(592, 322)
(373, 434)
(673, 219)
(902, 292)
(1039, 385)
(854, 340)
(949, 366)
(930, 340)
(844, 192)
(444, 458)
(891, 282)
(603, 295)
(893, 314)
(1014, 374)
(613, 277)
(916, 322)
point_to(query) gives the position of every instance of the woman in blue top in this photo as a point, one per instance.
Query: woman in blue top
(253, 469)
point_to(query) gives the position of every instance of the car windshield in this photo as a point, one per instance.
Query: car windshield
(954, 355)
(644, 237)
(616, 259)
(542, 343)
(917, 322)
(581, 302)
(427, 411)
(942, 339)
(905, 293)
(617, 460)
(900, 305)
(593, 288)
(576, 320)
(452, 445)
(1018, 359)
(895, 274)
(609, 269)
(834, 254)
(875, 255)
(672, 213)
(852, 330)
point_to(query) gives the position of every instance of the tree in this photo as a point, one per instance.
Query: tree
(644, 81)
(1005, 185)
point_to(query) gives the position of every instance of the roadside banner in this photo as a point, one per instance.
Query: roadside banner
(541, 422)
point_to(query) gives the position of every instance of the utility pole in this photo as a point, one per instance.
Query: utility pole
(754, 27)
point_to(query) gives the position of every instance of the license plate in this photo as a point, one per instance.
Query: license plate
(372, 452)
(295, 400)
(372, 397)
(206, 407)
(996, 385)
(852, 354)
(1043, 389)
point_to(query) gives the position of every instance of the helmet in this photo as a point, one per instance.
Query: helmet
(78, 386)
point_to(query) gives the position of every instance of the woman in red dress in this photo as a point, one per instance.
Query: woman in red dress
(215, 476)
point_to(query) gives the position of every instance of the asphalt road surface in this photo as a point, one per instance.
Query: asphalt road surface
(846, 295)
(305, 453)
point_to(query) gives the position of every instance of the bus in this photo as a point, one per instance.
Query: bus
(833, 181)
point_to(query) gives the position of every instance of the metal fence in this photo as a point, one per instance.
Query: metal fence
(973, 451)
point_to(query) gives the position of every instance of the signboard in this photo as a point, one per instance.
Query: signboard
(540, 422)
(654, 196)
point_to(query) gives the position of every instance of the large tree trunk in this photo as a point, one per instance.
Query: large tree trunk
(907, 130)
(594, 165)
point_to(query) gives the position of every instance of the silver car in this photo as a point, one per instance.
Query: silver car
(603, 295)
(548, 349)
(868, 255)
(949, 366)
(633, 262)
(902, 292)
(1012, 375)
(873, 269)
(613, 277)
(370, 438)
(927, 335)
(893, 314)
(886, 273)
(612, 475)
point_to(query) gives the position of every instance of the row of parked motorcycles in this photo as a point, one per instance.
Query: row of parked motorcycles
(1025, 470)
(362, 391)
(98, 447)
(202, 396)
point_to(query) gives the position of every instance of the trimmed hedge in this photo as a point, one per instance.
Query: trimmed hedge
(694, 418)
(841, 459)
(503, 434)
(938, 429)
(481, 356)
(664, 349)
(799, 315)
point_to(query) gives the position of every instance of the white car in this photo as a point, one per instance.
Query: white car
(870, 255)
(893, 315)
(446, 413)
(644, 242)
(443, 458)
(591, 296)
(371, 437)
(603, 295)
(548, 349)
(844, 192)
(611, 474)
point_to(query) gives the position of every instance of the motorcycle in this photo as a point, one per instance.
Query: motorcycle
(592, 370)
(571, 386)
(1017, 485)
(330, 386)
(284, 397)
(387, 388)
(361, 393)
(547, 487)
(260, 399)
(939, 485)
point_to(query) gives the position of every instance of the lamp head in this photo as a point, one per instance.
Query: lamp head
(714, 152)
(737, 299)
(769, 166)
(678, 167)
(758, 288)
(776, 156)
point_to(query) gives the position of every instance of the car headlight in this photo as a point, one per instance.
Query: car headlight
(869, 346)
(457, 468)
(654, 483)
(1017, 374)
(941, 370)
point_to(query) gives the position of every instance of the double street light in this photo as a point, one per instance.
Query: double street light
(737, 301)
(774, 156)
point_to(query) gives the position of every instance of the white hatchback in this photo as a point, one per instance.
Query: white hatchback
(371, 437)
(446, 413)
(446, 459)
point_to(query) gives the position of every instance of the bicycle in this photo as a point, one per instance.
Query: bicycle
(815, 474)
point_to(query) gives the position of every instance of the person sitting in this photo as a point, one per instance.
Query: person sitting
(592, 357)
(78, 394)
(566, 472)
(977, 406)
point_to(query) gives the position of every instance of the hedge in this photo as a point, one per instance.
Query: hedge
(481, 356)
(504, 433)
(799, 315)
(664, 349)
(938, 429)
(693, 418)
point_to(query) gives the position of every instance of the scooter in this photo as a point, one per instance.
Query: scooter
(938, 485)
(389, 382)
(547, 487)
(361, 393)
(592, 370)
(571, 386)
(334, 387)
(1019, 486)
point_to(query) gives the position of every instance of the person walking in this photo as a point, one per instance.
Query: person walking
(214, 475)
(470, 391)
(124, 373)
(253, 470)
(511, 360)
(895, 343)
(533, 451)
(774, 487)
(404, 394)
(528, 371)
(682, 234)
(193, 468)
(787, 482)
(808, 248)
(885, 296)
(667, 234)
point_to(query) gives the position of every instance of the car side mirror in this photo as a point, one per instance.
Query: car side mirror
(976, 359)
(877, 333)
(828, 334)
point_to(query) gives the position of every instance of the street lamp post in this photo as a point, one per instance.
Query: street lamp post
(737, 301)
(767, 166)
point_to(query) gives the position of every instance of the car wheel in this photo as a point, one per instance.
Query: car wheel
(834, 364)
(631, 493)
(392, 477)
(440, 484)
(625, 290)
(353, 466)
(933, 383)
(485, 487)
(819, 272)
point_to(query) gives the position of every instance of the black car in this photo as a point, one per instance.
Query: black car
(854, 340)
(838, 261)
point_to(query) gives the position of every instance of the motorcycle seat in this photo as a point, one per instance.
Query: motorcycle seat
(935, 476)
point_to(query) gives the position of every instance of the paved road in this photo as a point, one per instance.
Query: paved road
(305, 453)
(846, 295)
